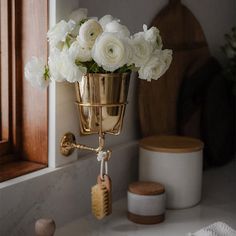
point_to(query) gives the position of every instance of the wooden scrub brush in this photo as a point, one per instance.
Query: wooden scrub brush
(101, 197)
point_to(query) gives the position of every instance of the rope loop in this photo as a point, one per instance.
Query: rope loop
(103, 158)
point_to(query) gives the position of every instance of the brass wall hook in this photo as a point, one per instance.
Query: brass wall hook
(68, 145)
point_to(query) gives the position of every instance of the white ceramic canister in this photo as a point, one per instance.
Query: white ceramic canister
(146, 202)
(175, 162)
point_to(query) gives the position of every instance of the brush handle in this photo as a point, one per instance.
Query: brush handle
(108, 184)
(106, 180)
(45, 227)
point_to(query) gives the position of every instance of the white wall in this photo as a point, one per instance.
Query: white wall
(216, 17)
(62, 111)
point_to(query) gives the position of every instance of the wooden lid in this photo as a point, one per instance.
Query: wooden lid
(174, 144)
(146, 188)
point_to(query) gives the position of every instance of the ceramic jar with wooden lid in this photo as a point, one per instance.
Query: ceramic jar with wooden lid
(146, 202)
(175, 162)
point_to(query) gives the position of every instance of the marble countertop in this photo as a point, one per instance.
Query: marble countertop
(218, 204)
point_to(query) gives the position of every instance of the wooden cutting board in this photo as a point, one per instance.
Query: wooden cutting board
(182, 33)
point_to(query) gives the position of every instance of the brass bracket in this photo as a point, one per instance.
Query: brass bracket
(68, 145)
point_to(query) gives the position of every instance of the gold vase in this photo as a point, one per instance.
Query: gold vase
(101, 101)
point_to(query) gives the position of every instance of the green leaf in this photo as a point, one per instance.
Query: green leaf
(82, 21)
(46, 74)
(125, 68)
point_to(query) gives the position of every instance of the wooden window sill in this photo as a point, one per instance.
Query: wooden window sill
(14, 169)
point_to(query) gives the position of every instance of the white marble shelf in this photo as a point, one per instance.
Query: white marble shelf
(218, 204)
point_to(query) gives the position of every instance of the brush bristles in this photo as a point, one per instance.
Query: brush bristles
(100, 201)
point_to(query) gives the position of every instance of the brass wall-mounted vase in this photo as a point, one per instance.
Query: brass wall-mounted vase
(101, 101)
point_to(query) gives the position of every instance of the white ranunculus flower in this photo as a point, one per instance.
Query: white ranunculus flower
(70, 70)
(115, 27)
(35, 73)
(55, 62)
(79, 14)
(167, 58)
(58, 33)
(110, 51)
(80, 52)
(156, 66)
(142, 50)
(152, 35)
(88, 32)
(107, 19)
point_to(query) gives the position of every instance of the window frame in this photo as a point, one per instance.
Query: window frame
(25, 147)
(6, 69)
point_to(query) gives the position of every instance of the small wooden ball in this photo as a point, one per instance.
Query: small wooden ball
(45, 227)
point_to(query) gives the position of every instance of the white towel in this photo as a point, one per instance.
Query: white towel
(216, 229)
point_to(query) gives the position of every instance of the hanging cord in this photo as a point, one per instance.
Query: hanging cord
(103, 157)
